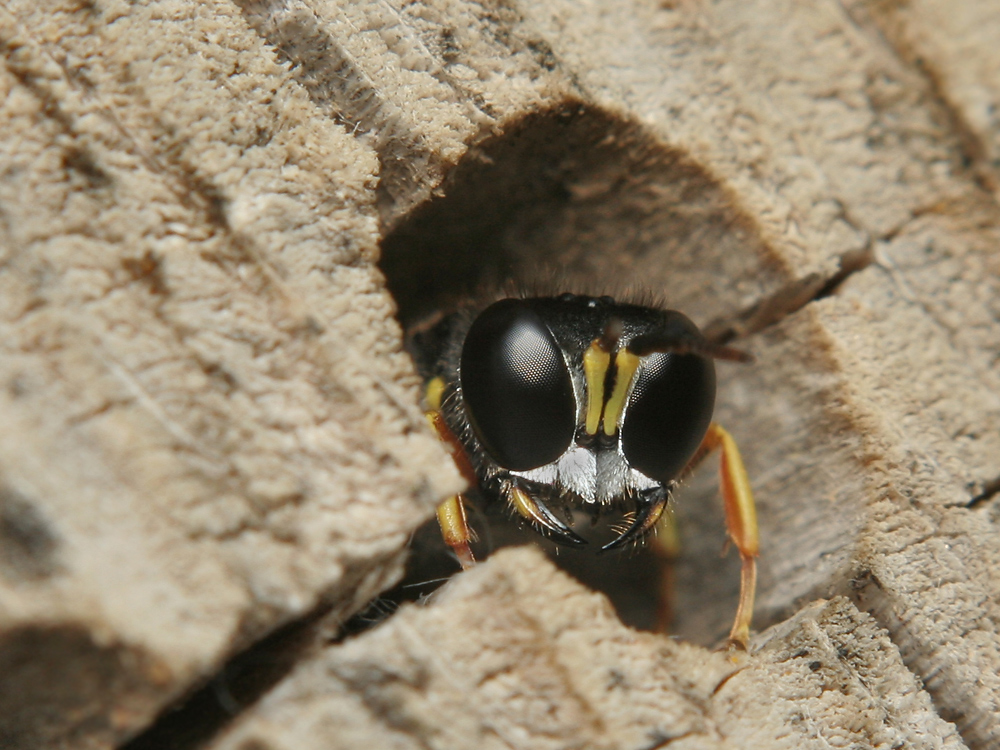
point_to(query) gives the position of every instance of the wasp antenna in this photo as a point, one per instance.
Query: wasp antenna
(612, 334)
(727, 353)
(685, 342)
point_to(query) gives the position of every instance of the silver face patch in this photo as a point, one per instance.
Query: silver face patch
(601, 476)
(578, 472)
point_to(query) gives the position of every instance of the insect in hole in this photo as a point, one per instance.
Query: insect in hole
(551, 404)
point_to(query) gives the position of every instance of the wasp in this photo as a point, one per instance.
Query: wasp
(550, 404)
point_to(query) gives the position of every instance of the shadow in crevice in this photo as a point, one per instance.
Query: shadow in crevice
(590, 197)
(989, 491)
(196, 720)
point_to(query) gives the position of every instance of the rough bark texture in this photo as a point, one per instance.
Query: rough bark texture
(200, 369)
(517, 655)
(208, 428)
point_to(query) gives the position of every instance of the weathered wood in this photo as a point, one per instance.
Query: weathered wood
(517, 655)
(209, 428)
(199, 370)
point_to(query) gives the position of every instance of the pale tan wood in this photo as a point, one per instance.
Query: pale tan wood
(209, 427)
(199, 370)
(516, 655)
(954, 46)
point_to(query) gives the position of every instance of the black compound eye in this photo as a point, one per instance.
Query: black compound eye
(516, 387)
(668, 413)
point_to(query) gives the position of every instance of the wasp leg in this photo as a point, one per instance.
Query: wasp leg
(455, 529)
(451, 513)
(666, 545)
(741, 522)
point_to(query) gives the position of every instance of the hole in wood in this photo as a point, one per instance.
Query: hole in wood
(594, 198)
(595, 201)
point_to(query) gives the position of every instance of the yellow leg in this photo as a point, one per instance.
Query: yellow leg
(451, 513)
(455, 529)
(741, 523)
(666, 543)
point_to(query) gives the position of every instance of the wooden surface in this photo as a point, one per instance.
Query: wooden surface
(517, 655)
(209, 428)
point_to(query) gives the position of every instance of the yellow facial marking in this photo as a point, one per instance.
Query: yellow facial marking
(626, 364)
(433, 394)
(595, 367)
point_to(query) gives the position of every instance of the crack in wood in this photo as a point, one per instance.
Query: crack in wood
(787, 300)
(989, 491)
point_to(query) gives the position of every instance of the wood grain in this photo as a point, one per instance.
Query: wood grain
(210, 215)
